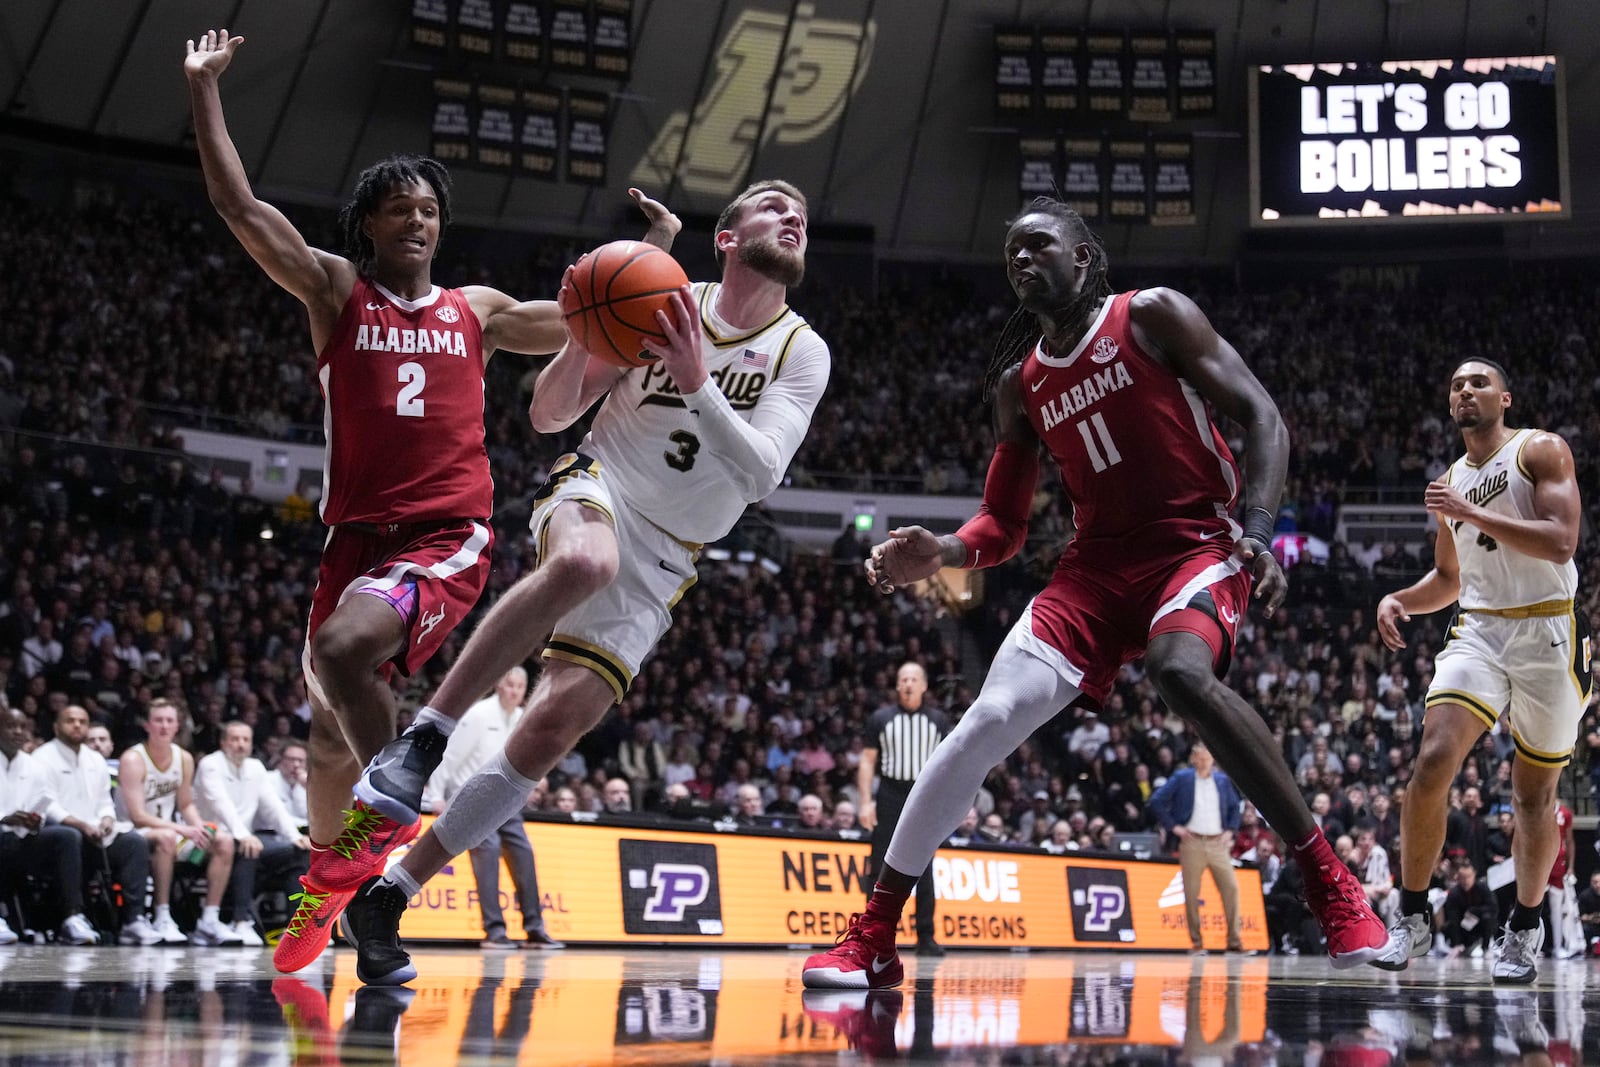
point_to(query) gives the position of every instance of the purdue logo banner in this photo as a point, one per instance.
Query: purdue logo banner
(669, 888)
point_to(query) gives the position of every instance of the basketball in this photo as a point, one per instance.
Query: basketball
(618, 288)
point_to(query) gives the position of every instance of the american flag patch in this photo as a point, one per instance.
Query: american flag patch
(755, 359)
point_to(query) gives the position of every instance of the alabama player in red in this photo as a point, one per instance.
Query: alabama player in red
(1116, 387)
(407, 493)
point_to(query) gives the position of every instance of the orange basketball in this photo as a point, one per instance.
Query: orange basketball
(619, 287)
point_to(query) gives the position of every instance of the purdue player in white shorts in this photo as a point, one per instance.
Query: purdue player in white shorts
(1508, 514)
(677, 451)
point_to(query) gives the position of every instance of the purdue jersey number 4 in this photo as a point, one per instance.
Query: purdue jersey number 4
(645, 437)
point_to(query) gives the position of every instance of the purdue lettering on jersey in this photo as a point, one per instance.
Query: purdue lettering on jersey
(742, 388)
(1085, 394)
(395, 339)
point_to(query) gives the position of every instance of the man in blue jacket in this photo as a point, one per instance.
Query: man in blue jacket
(1199, 805)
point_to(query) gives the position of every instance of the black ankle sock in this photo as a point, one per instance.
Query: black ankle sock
(1524, 917)
(1415, 902)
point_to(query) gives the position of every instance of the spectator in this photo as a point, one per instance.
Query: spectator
(618, 798)
(811, 813)
(1470, 913)
(1371, 864)
(288, 779)
(642, 762)
(27, 843)
(844, 816)
(1589, 914)
(1199, 806)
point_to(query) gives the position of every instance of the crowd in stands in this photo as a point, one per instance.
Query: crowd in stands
(126, 575)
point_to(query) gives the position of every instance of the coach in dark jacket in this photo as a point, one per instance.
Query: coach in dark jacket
(1199, 805)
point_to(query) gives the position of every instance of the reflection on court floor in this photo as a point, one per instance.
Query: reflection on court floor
(133, 1006)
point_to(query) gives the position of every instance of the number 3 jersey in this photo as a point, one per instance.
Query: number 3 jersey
(1493, 576)
(402, 388)
(1133, 441)
(649, 444)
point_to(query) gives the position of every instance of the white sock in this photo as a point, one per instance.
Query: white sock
(163, 913)
(430, 716)
(483, 805)
(401, 879)
(211, 914)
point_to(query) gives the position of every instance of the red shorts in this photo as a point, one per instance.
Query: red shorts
(432, 573)
(1108, 598)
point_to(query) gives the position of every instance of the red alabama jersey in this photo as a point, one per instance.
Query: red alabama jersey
(402, 389)
(1134, 442)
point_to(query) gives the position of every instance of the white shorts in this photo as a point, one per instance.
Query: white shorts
(613, 631)
(1536, 672)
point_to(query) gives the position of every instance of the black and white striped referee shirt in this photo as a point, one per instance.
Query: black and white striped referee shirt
(905, 739)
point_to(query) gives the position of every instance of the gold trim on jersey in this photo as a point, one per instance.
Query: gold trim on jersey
(672, 601)
(1544, 609)
(1524, 470)
(1537, 757)
(788, 346)
(1477, 705)
(729, 342)
(1491, 455)
(605, 664)
(692, 546)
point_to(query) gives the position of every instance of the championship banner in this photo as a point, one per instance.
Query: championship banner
(1083, 180)
(588, 122)
(736, 1006)
(1149, 84)
(1172, 178)
(1039, 167)
(1015, 67)
(569, 36)
(538, 135)
(1061, 72)
(1195, 53)
(430, 24)
(524, 31)
(624, 884)
(496, 126)
(1129, 199)
(1106, 63)
(1429, 139)
(475, 21)
(452, 121)
(613, 38)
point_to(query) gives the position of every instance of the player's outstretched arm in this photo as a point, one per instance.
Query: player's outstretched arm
(664, 225)
(321, 280)
(1183, 335)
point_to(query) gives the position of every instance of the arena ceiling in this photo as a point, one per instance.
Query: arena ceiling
(881, 109)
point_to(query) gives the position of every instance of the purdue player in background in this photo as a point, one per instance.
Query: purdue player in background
(1508, 516)
(408, 495)
(677, 451)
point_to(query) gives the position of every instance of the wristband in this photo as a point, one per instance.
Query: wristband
(1258, 523)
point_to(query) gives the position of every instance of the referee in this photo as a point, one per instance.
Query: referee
(900, 738)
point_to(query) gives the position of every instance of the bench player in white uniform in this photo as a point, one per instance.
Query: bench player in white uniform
(155, 780)
(1508, 515)
(678, 450)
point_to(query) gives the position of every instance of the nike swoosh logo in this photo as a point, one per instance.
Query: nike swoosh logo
(879, 966)
(377, 307)
(1036, 386)
(1213, 534)
(1557, 644)
(671, 570)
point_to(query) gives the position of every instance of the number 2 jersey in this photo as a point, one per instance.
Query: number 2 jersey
(646, 438)
(402, 387)
(1134, 442)
(1492, 576)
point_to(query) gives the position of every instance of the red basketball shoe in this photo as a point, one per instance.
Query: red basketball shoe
(865, 1017)
(359, 851)
(305, 1016)
(311, 925)
(864, 957)
(1355, 934)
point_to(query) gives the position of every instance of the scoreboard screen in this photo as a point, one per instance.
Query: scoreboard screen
(1425, 139)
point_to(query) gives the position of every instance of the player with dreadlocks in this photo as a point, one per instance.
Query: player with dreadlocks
(407, 494)
(1115, 386)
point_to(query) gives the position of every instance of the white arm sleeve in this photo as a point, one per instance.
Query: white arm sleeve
(763, 447)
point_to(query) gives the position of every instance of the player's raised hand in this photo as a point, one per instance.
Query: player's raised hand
(1390, 613)
(681, 355)
(211, 55)
(910, 555)
(662, 221)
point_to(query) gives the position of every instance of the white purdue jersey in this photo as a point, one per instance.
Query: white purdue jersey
(1493, 576)
(161, 786)
(645, 437)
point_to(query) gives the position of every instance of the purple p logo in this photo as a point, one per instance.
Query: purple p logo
(1107, 903)
(677, 887)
